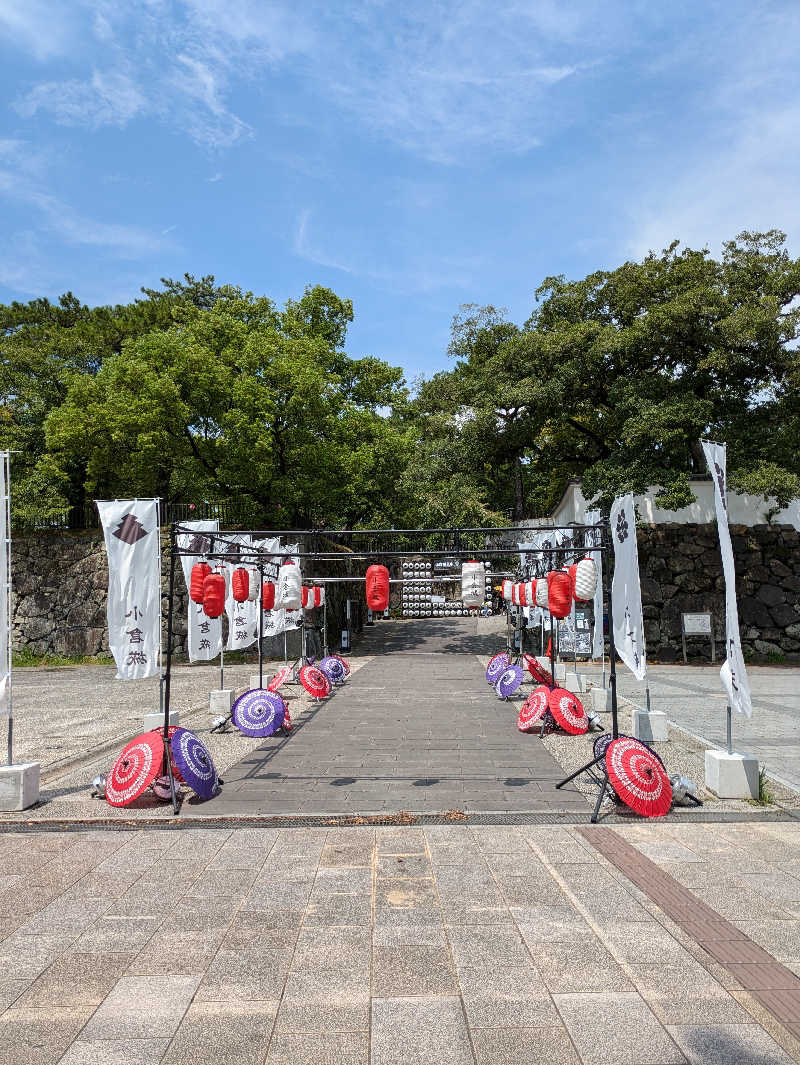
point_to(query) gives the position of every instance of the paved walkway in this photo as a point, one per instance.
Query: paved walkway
(416, 729)
(361, 946)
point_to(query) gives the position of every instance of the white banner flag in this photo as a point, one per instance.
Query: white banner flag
(592, 539)
(130, 528)
(242, 617)
(204, 633)
(625, 590)
(733, 672)
(5, 581)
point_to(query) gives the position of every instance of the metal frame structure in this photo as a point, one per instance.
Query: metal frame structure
(227, 546)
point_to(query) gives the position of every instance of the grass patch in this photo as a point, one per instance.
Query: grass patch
(24, 658)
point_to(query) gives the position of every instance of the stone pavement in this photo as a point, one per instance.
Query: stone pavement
(417, 729)
(692, 697)
(401, 946)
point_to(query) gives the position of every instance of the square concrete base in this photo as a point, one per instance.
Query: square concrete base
(651, 727)
(732, 776)
(574, 682)
(152, 721)
(220, 701)
(254, 679)
(560, 672)
(601, 700)
(19, 786)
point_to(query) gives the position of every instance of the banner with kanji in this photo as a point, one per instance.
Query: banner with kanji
(242, 617)
(204, 634)
(130, 528)
(5, 619)
(626, 592)
(733, 673)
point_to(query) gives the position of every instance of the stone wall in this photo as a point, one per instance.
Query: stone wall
(681, 572)
(60, 581)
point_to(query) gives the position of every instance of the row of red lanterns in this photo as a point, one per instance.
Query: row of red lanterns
(557, 590)
(207, 588)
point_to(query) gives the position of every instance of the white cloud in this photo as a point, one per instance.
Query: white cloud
(109, 98)
(41, 27)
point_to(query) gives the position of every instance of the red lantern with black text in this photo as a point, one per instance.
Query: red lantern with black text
(200, 570)
(214, 595)
(377, 587)
(240, 584)
(559, 593)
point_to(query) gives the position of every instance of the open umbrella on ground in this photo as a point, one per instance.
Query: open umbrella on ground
(136, 767)
(508, 681)
(638, 777)
(333, 670)
(497, 663)
(344, 662)
(280, 678)
(315, 682)
(194, 761)
(259, 712)
(533, 709)
(568, 711)
(537, 671)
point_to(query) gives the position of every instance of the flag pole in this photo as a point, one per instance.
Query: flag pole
(6, 577)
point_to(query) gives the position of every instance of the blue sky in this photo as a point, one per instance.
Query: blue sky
(411, 156)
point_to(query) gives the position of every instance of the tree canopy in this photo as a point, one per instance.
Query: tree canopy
(198, 391)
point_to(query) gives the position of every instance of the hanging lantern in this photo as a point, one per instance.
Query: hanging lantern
(289, 593)
(507, 587)
(267, 595)
(515, 595)
(252, 583)
(473, 583)
(523, 594)
(306, 597)
(571, 571)
(213, 595)
(585, 580)
(541, 592)
(377, 587)
(240, 584)
(319, 595)
(200, 570)
(559, 595)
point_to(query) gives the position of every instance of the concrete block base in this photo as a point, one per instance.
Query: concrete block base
(732, 776)
(19, 786)
(220, 701)
(601, 700)
(560, 673)
(651, 727)
(574, 682)
(152, 721)
(254, 679)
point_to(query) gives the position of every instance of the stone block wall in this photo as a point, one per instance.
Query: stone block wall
(60, 581)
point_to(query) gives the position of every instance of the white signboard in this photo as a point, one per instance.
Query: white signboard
(696, 624)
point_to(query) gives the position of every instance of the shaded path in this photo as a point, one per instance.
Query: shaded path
(415, 730)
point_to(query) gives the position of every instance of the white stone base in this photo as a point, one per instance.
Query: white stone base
(601, 700)
(152, 721)
(560, 673)
(575, 682)
(254, 679)
(19, 786)
(651, 727)
(732, 776)
(221, 700)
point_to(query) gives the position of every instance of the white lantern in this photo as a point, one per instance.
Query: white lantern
(541, 592)
(254, 583)
(289, 590)
(507, 586)
(473, 583)
(585, 580)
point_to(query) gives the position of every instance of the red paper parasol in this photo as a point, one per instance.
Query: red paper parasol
(137, 766)
(537, 671)
(533, 709)
(315, 682)
(280, 678)
(638, 777)
(172, 730)
(568, 711)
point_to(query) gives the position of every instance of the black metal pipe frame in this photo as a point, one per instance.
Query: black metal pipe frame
(168, 671)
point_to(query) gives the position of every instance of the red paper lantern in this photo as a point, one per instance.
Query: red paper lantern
(318, 593)
(307, 599)
(200, 570)
(240, 584)
(523, 594)
(267, 595)
(377, 587)
(559, 593)
(214, 595)
(571, 570)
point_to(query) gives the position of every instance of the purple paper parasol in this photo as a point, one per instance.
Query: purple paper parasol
(194, 762)
(258, 712)
(333, 669)
(496, 666)
(508, 681)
